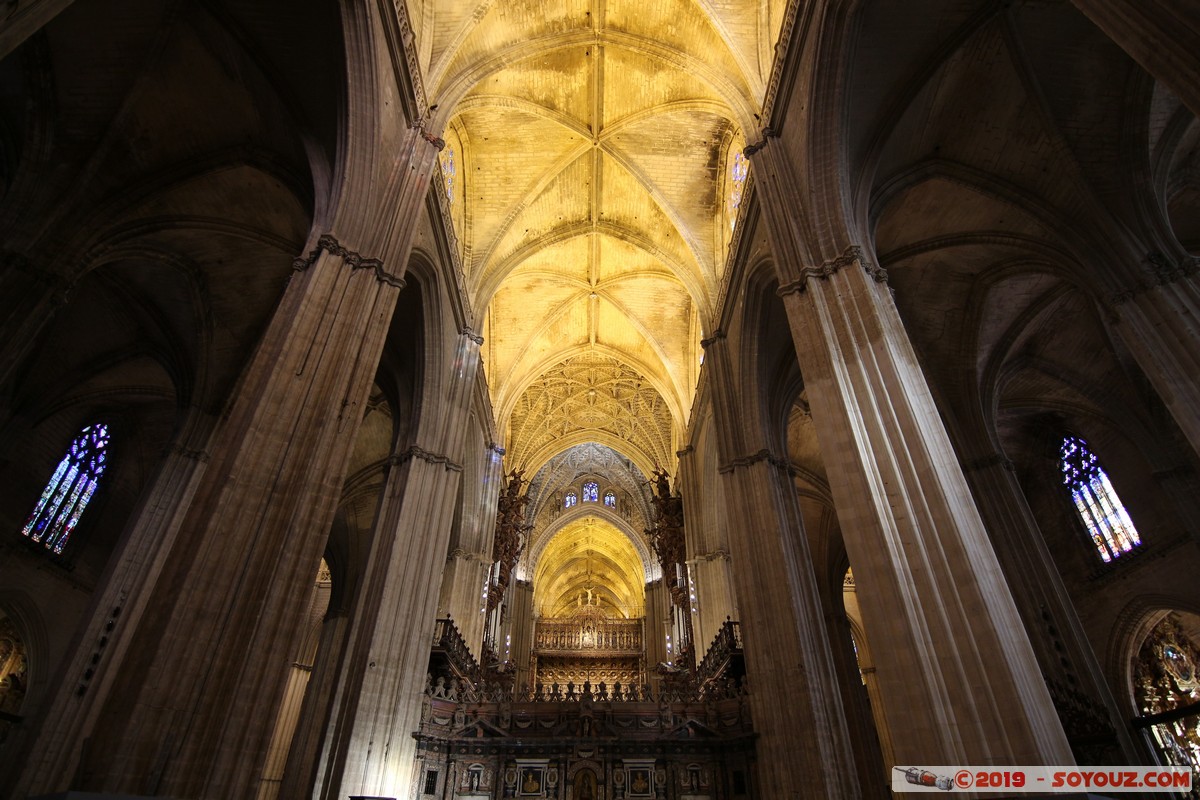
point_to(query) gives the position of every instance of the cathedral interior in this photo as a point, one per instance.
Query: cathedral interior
(595, 399)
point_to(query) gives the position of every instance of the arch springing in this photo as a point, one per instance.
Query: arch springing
(70, 489)
(1099, 508)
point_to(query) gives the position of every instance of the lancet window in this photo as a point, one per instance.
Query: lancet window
(70, 489)
(448, 172)
(591, 492)
(739, 168)
(1096, 502)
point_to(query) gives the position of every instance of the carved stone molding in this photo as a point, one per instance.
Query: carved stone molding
(685, 451)
(993, 460)
(463, 554)
(718, 336)
(852, 255)
(1161, 272)
(194, 455)
(411, 58)
(495, 448)
(1165, 272)
(438, 142)
(786, 31)
(355, 261)
(767, 133)
(470, 334)
(396, 459)
(761, 455)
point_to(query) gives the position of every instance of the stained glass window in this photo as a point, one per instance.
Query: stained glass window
(739, 168)
(448, 172)
(571, 500)
(67, 494)
(1096, 501)
(591, 492)
(610, 499)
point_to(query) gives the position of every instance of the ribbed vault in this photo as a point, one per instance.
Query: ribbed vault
(589, 562)
(590, 149)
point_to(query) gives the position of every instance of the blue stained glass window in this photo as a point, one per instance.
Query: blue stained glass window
(1096, 501)
(591, 492)
(571, 500)
(739, 168)
(610, 499)
(70, 488)
(448, 172)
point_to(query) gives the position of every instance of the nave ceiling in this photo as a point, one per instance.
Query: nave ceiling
(587, 173)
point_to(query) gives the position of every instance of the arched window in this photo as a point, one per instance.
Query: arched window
(1165, 681)
(591, 492)
(610, 499)
(739, 168)
(448, 172)
(571, 500)
(1096, 501)
(72, 486)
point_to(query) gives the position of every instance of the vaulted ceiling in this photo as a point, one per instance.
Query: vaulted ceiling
(588, 173)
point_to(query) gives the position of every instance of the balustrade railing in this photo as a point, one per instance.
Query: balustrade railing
(448, 640)
(725, 645)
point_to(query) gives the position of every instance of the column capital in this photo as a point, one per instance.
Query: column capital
(992, 460)
(767, 133)
(438, 142)
(329, 244)
(466, 331)
(396, 459)
(718, 335)
(754, 458)
(1159, 270)
(850, 256)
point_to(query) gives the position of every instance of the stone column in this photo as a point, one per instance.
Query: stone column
(958, 678)
(470, 555)
(708, 556)
(715, 602)
(375, 750)
(1162, 36)
(293, 696)
(1054, 629)
(794, 695)
(654, 634)
(192, 711)
(190, 708)
(326, 685)
(460, 597)
(520, 628)
(1160, 325)
(118, 608)
(860, 692)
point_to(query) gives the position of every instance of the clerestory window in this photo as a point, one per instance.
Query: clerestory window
(70, 488)
(1096, 502)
